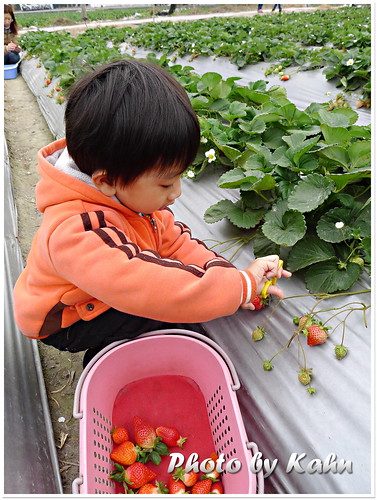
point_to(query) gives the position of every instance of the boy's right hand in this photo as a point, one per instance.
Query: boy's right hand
(264, 269)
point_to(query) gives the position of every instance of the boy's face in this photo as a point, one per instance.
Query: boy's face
(150, 192)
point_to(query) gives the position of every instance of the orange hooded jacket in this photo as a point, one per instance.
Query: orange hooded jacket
(92, 253)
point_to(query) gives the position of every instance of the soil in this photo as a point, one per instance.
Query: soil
(26, 132)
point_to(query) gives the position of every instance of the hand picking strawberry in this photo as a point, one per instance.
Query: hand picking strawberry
(265, 269)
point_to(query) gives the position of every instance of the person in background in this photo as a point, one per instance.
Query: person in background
(277, 5)
(11, 48)
(260, 7)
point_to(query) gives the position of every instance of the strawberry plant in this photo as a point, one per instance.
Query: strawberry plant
(315, 331)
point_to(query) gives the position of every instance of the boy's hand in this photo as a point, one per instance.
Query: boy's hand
(263, 269)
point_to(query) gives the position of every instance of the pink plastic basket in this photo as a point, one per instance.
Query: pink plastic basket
(164, 353)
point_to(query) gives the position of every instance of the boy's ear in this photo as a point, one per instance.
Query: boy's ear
(101, 181)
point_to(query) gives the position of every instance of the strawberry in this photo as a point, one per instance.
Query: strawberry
(202, 487)
(304, 376)
(316, 335)
(258, 303)
(119, 435)
(214, 474)
(153, 489)
(188, 478)
(170, 436)
(176, 486)
(258, 333)
(340, 351)
(284, 78)
(145, 435)
(124, 454)
(58, 89)
(138, 474)
(48, 81)
(217, 488)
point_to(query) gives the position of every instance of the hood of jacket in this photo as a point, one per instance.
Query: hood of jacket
(54, 165)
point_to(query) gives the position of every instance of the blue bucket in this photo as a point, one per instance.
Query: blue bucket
(10, 71)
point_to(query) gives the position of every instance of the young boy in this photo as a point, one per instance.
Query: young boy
(109, 261)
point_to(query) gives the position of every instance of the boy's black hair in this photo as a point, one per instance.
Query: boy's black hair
(129, 117)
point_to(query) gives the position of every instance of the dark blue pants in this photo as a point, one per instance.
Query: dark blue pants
(110, 326)
(11, 58)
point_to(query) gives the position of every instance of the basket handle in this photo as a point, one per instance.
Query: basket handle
(188, 333)
(260, 479)
(76, 485)
(76, 401)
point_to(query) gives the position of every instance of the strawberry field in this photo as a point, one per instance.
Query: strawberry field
(271, 176)
(302, 175)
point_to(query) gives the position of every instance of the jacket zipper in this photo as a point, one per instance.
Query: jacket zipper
(151, 220)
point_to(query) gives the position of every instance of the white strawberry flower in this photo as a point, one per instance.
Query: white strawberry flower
(210, 155)
(328, 93)
(190, 174)
(203, 140)
(350, 62)
(339, 225)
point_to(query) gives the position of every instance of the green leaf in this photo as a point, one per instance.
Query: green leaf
(236, 110)
(310, 193)
(244, 217)
(209, 81)
(221, 90)
(338, 154)
(266, 183)
(340, 117)
(327, 230)
(237, 176)
(154, 457)
(282, 226)
(326, 277)
(161, 448)
(341, 180)
(335, 135)
(250, 161)
(363, 222)
(218, 211)
(366, 245)
(231, 153)
(360, 154)
(308, 251)
(263, 246)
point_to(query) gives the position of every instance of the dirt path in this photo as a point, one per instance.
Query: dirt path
(26, 132)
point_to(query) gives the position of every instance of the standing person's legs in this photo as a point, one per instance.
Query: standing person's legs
(110, 326)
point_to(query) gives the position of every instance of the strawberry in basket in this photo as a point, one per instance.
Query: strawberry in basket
(150, 445)
(170, 436)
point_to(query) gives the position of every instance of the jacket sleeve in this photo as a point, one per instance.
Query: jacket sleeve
(102, 261)
(178, 243)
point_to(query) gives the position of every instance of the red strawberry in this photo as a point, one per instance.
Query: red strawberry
(284, 78)
(316, 335)
(214, 474)
(170, 436)
(124, 454)
(202, 487)
(176, 486)
(217, 488)
(145, 435)
(58, 89)
(119, 435)
(138, 474)
(153, 489)
(48, 81)
(258, 303)
(188, 478)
